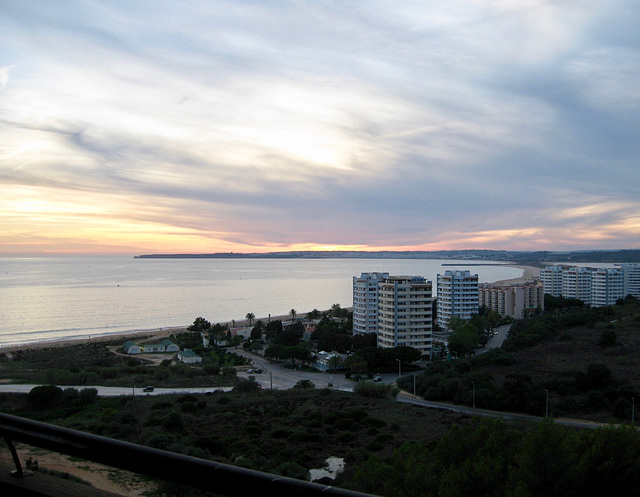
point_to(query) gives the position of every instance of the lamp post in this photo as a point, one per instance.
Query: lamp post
(414, 384)
(399, 367)
(633, 411)
(546, 410)
(473, 384)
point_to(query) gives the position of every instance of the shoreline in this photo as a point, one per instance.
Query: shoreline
(529, 274)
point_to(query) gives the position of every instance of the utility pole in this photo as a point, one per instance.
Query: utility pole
(546, 411)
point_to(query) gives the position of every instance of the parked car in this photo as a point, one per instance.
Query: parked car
(257, 371)
(250, 371)
(148, 389)
(377, 378)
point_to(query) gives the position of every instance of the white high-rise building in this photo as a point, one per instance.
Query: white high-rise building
(551, 278)
(365, 302)
(576, 283)
(457, 296)
(607, 286)
(405, 313)
(631, 279)
(595, 287)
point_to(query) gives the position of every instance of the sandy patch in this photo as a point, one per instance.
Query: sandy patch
(103, 477)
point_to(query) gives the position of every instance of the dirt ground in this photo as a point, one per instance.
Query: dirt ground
(103, 477)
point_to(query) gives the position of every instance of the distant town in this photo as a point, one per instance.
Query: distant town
(534, 258)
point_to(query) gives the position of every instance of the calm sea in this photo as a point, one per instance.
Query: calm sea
(45, 299)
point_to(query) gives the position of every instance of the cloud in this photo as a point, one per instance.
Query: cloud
(243, 125)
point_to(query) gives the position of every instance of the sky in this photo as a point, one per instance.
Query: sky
(150, 126)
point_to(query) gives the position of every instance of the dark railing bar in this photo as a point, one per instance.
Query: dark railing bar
(220, 478)
(16, 459)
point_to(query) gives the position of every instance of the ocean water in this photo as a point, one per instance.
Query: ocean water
(56, 298)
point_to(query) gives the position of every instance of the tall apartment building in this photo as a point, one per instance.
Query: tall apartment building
(595, 287)
(631, 279)
(405, 313)
(576, 283)
(551, 278)
(365, 302)
(514, 301)
(607, 286)
(457, 296)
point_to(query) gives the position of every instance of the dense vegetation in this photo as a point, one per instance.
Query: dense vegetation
(491, 458)
(97, 364)
(390, 449)
(582, 357)
(283, 432)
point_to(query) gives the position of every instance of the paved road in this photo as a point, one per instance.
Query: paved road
(496, 340)
(117, 391)
(509, 416)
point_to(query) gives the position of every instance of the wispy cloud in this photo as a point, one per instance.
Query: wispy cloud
(233, 125)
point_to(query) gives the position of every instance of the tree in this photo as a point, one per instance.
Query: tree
(291, 335)
(256, 331)
(334, 361)
(315, 314)
(45, 396)
(608, 338)
(217, 332)
(293, 314)
(405, 354)
(273, 329)
(200, 324)
(250, 317)
(464, 339)
(304, 384)
(274, 352)
(296, 353)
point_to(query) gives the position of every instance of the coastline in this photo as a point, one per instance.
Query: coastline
(529, 274)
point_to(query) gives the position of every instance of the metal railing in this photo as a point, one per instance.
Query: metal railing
(223, 479)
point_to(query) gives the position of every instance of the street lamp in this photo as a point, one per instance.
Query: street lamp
(399, 367)
(546, 411)
(473, 383)
(414, 384)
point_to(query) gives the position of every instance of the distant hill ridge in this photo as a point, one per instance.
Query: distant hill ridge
(534, 258)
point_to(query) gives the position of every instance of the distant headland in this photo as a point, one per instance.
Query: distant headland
(519, 257)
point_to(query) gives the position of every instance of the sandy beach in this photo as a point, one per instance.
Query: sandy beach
(531, 273)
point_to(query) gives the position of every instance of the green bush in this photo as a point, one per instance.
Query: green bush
(377, 390)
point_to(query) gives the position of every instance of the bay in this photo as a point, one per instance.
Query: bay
(58, 298)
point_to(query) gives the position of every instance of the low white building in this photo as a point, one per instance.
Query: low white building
(169, 346)
(188, 356)
(131, 348)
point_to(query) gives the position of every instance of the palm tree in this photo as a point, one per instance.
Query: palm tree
(335, 360)
(250, 317)
(293, 313)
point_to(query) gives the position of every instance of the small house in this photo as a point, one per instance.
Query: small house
(151, 348)
(169, 346)
(131, 348)
(188, 356)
